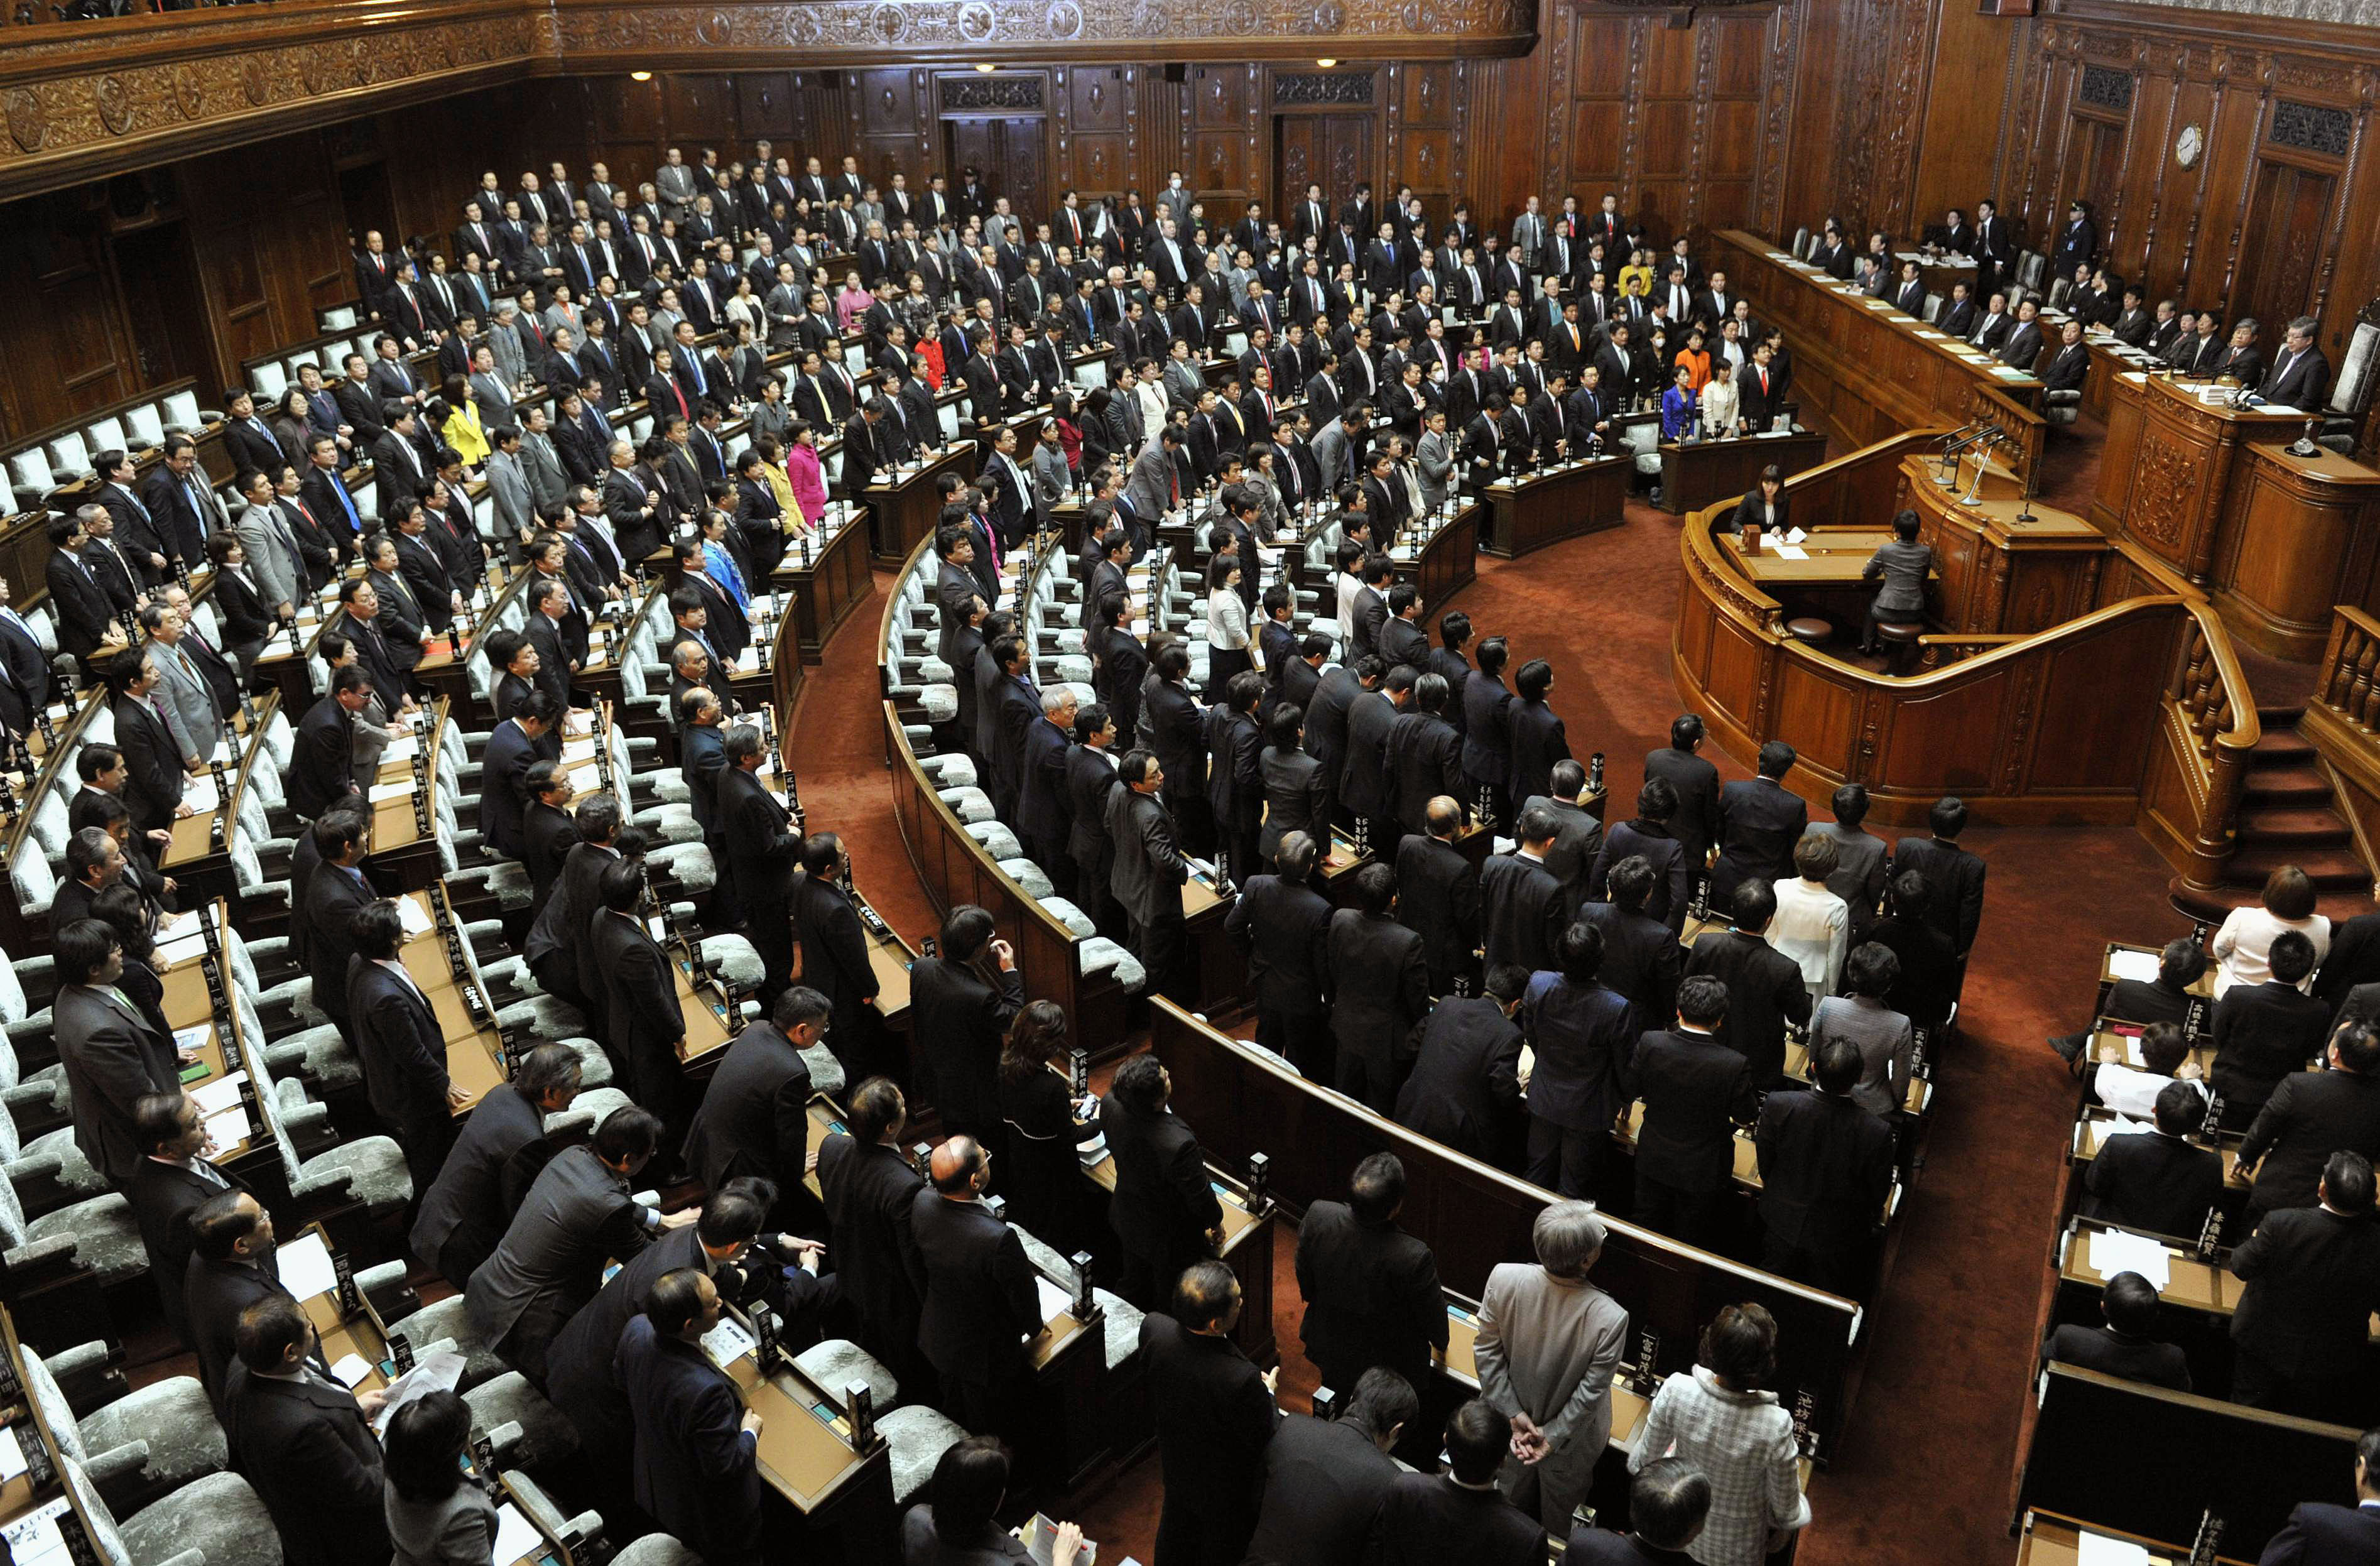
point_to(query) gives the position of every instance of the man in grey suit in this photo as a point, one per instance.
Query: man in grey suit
(1334, 448)
(1859, 857)
(509, 482)
(1434, 454)
(182, 690)
(577, 1217)
(112, 1057)
(504, 342)
(1549, 1343)
(548, 484)
(1150, 488)
(272, 549)
(1148, 870)
(1182, 377)
(673, 182)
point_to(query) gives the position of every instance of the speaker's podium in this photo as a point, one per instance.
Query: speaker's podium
(2213, 490)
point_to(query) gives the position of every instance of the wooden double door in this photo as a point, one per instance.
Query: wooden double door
(1013, 153)
(1334, 151)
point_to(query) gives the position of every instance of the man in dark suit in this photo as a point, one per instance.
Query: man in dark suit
(1214, 1417)
(1378, 989)
(112, 1055)
(1647, 836)
(696, 1446)
(398, 1040)
(2309, 1116)
(577, 1217)
(1759, 823)
(1578, 836)
(2077, 243)
(499, 1152)
(548, 833)
(834, 951)
(1283, 926)
(1695, 1091)
(1423, 753)
(755, 1118)
(154, 775)
(321, 763)
(1826, 1167)
(1459, 1515)
(1148, 870)
(2312, 1277)
(1437, 898)
(760, 847)
(2299, 374)
(2022, 348)
(1164, 1210)
(1537, 739)
(2319, 1533)
(1465, 1089)
(1765, 991)
(1955, 877)
(231, 1267)
(304, 1442)
(511, 750)
(1325, 1482)
(870, 1192)
(78, 606)
(960, 1017)
(980, 1303)
(2154, 1181)
(172, 1181)
(1521, 908)
(556, 949)
(1370, 1289)
(2126, 1345)
(643, 1021)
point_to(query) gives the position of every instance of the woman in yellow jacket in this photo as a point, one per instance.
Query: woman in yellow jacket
(1637, 275)
(462, 429)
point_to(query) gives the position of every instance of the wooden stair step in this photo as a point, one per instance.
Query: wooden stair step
(2262, 826)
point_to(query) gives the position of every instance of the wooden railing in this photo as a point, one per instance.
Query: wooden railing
(2198, 765)
(2342, 723)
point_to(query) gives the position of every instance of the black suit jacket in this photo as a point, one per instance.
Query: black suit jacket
(1759, 823)
(2153, 1182)
(1437, 898)
(1956, 879)
(403, 1051)
(1520, 912)
(490, 1168)
(1378, 988)
(78, 607)
(756, 831)
(1825, 1165)
(2314, 1282)
(2319, 1533)
(1697, 823)
(504, 789)
(1214, 1420)
(697, 1471)
(1765, 991)
(321, 763)
(549, 834)
(1371, 1296)
(754, 1118)
(2353, 959)
(2105, 1350)
(162, 1196)
(306, 1448)
(638, 998)
(980, 1299)
(1466, 1083)
(1429, 1520)
(870, 1194)
(1537, 744)
(216, 1293)
(1324, 1487)
(2309, 1116)
(960, 1018)
(2264, 1035)
(1283, 927)
(1163, 1203)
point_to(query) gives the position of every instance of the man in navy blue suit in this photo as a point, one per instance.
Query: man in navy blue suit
(696, 1448)
(503, 787)
(2319, 1533)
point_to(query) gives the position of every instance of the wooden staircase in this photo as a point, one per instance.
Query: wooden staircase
(2288, 816)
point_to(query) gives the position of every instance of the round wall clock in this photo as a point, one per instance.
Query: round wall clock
(2188, 145)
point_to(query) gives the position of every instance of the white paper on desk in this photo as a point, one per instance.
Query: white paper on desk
(2127, 964)
(2113, 1251)
(2280, 408)
(228, 1129)
(34, 1539)
(417, 919)
(2119, 1126)
(2136, 377)
(439, 1371)
(1092, 1152)
(579, 749)
(382, 793)
(1054, 1299)
(748, 660)
(1931, 336)
(305, 1267)
(350, 1370)
(12, 1455)
(2098, 1549)
(728, 1343)
(219, 1095)
(199, 795)
(516, 1538)
(1795, 536)
(193, 1037)
(2006, 373)
(1789, 551)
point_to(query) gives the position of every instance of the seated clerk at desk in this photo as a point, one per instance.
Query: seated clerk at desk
(2303, 1321)
(696, 1447)
(2166, 998)
(958, 1524)
(2266, 1032)
(2164, 1059)
(1902, 566)
(1765, 507)
(1326, 1481)
(303, 1441)
(2126, 1345)
(2153, 1181)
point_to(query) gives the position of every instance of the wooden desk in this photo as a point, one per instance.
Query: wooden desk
(1868, 370)
(404, 855)
(474, 1052)
(1695, 474)
(2052, 1540)
(1832, 557)
(806, 1458)
(903, 510)
(825, 576)
(1448, 560)
(1246, 1248)
(2213, 491)
(1531, 511)
(1998, 575)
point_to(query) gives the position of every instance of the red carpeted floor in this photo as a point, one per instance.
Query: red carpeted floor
(1925, 1472)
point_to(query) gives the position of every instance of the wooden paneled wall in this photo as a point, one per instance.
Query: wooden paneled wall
(2275, 217)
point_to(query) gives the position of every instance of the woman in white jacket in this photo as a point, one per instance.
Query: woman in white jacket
(1720, 403)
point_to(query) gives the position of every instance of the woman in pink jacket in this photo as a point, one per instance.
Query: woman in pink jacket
(802, 468)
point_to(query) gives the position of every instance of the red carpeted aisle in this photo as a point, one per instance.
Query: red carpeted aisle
(1925, 1473)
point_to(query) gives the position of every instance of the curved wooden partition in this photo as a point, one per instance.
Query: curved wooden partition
(956, 869)
(2136, 708)
(1242, 1100)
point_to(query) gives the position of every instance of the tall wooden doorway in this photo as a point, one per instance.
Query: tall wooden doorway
(1012, 150)
(1333, 149)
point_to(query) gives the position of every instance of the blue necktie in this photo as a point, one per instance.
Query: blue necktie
(339, 488)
